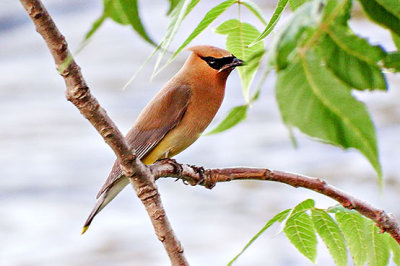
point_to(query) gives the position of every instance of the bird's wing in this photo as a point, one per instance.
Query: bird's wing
(163, 113)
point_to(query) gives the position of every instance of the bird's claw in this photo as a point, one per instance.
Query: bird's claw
(201, 172)
(178, 169)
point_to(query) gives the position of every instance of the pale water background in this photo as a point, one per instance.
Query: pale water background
(52, 162)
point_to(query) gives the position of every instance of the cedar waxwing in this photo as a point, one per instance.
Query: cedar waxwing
(176, 116)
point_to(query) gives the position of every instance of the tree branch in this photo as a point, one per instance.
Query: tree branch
(209, 177)
(79, 94)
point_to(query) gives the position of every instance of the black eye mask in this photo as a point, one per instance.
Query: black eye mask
(222, 63)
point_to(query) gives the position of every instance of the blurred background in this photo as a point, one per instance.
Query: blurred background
(52, 161)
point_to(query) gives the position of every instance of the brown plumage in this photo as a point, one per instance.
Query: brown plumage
(176, 116)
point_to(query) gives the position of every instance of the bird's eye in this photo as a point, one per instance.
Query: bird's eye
(211, 62)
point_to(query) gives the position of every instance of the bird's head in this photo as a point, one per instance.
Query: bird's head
(214, 60)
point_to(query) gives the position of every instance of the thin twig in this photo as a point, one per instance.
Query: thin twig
(209, 177)
(79, 94)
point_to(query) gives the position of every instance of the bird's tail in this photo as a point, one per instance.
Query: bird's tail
(107, 196)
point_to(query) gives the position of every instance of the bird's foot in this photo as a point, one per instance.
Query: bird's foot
(165, 161)
(177, 168)
(201, 172)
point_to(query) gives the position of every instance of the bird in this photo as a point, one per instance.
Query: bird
(176, 116)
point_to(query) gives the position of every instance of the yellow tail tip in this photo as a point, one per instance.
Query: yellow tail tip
(85, 228)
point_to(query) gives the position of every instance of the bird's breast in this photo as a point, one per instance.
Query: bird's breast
(204, 104)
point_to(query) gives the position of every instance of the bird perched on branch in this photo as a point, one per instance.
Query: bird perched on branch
(176, 116)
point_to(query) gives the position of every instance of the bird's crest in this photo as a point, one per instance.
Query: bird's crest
(209, 51)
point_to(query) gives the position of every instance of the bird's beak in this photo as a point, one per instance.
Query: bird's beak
(235, 62)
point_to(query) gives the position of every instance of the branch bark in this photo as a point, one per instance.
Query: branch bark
(79, 94)
(210, 177)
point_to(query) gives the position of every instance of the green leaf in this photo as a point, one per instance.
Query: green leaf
(297, 31)
(305, 29)
(300, 231)
(384, 12)
(247, 72)
(192, 5)
(391, 6)
(351, 224)
(353, 59)
(240, 35)
(378, 250)
(345, 15)
(303, 206)
(253, 7)
(396, 40)
(272, 22)
(338, 208)
(113, 9)
(235, 116)
(312, 99)
(204, 23)
(95, 26)
(395, 247)
(355, 45)
(126, 12)
(172, 5)
(337, 12)
(294, 4)
(332, 236)
(277, 218)
(176, 17)
(392, 61)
